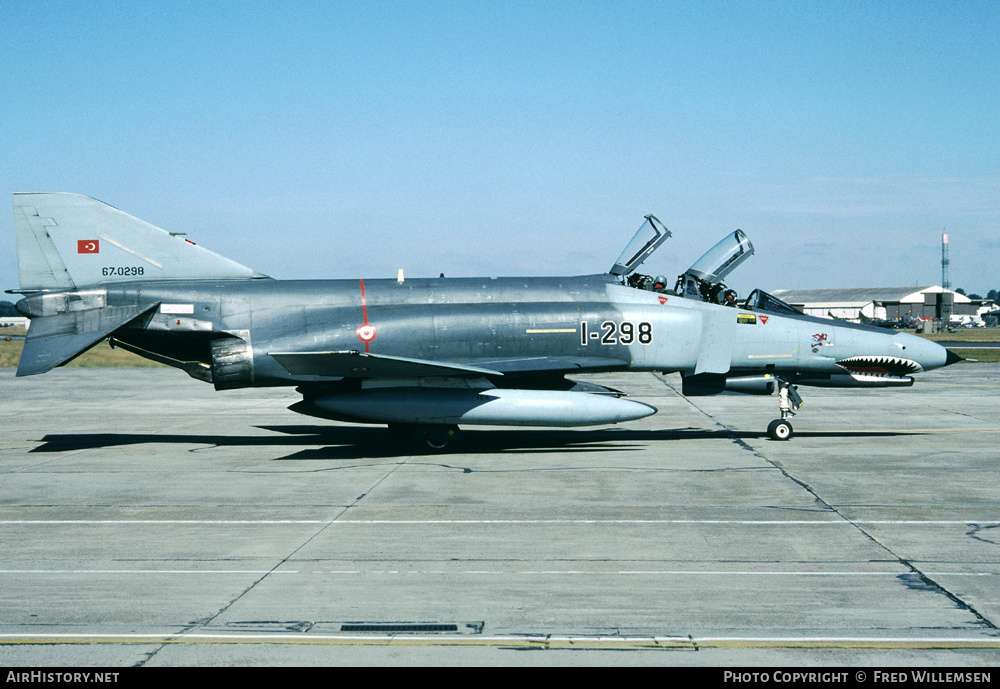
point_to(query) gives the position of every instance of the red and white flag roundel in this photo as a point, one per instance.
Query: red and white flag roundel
(366, 333)
(88, 246)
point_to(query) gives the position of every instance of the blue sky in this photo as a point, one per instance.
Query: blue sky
(350, 139)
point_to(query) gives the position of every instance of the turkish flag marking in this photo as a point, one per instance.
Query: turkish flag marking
(88, 246)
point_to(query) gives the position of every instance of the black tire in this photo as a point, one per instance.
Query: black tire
(437, 438)
(779, 429)
(433, 437)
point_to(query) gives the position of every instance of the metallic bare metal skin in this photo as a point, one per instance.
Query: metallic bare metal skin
(424, 351)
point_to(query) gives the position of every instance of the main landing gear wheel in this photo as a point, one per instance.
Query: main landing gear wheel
(779, 429)
(435, 437)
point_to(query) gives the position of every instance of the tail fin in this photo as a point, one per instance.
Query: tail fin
(68, 241)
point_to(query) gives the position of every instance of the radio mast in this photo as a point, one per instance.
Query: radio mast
(945, 278)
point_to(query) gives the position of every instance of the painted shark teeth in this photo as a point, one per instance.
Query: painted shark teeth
(880, 365)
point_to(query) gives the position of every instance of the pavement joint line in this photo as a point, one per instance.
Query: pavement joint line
(833, 509)
(324, 526)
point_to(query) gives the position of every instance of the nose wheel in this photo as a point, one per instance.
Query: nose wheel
(788, 403)
(779, 429)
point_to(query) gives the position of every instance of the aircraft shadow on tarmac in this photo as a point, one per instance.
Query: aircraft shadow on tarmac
(311, 442)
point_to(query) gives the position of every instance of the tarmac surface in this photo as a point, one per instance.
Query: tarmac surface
(146, 519)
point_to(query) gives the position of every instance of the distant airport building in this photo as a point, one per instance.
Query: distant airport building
(8, 321)
(884, 303)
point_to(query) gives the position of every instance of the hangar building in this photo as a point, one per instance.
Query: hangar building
(888, 303)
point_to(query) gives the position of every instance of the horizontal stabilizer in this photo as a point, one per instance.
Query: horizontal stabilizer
(353, 364)
(54, 340)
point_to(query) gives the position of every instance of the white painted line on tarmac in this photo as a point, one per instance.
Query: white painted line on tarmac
(425, 522)
(146, 571)
(501, 572)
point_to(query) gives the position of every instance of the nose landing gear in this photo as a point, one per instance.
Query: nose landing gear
(788, 403)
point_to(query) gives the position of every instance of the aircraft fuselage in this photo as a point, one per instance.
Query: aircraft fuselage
(585, 323)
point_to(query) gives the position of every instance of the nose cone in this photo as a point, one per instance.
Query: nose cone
(929, 355)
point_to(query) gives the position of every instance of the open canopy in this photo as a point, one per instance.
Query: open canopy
(643, 243)
(722, 258)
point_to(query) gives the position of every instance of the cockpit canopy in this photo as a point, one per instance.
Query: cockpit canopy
(644, 242)
(703, 280)
(759, 300)
(722, 259)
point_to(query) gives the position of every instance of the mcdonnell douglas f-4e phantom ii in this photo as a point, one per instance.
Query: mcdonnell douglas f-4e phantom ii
(426, 355)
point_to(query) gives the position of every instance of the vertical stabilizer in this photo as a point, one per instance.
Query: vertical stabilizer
(67, 241)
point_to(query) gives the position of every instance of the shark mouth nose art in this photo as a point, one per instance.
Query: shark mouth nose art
(880, 365)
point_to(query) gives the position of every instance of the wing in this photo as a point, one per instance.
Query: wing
(355, 364)
(555, 364)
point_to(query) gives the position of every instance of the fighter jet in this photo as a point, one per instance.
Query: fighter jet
(426, 355)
